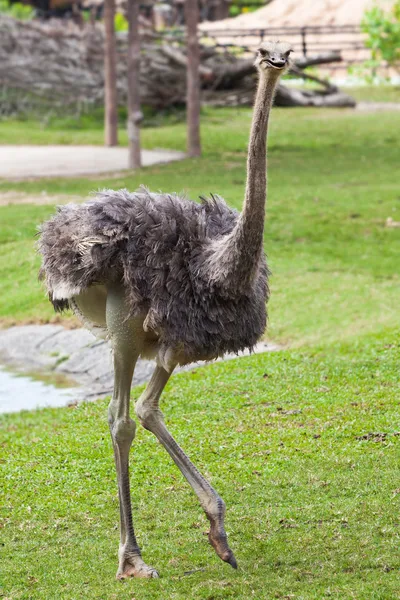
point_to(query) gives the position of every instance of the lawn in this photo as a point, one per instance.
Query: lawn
(303, 444)
(374, 93)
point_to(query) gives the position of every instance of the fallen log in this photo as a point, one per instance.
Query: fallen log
(319, 59)
(285, 97)
(54, 65)
(291, 97)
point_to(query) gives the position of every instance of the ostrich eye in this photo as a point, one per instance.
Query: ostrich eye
(262, 51)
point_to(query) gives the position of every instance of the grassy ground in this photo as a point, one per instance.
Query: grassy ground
(303, 444)
(88, 128)
(374, 93)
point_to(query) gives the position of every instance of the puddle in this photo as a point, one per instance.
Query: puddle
(21, 392)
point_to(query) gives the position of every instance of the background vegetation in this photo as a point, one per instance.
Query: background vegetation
(382, 29)
(18, 10)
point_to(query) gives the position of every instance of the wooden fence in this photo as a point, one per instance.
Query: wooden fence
(306, 40)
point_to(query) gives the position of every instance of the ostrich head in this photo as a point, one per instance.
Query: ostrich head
(273, 57)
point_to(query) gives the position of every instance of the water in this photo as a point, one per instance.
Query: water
(21, 392)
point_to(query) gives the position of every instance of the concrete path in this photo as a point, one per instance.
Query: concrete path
(378, 106)
(26, 162)
(72, 353)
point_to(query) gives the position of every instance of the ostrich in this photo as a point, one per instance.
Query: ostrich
(161, 276)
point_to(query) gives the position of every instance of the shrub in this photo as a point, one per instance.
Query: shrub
(17, 10)
(383, 31)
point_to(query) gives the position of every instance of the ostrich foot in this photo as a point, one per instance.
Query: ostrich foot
(132, 565)
(219, 541)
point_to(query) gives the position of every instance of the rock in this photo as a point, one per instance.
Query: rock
(76, 354)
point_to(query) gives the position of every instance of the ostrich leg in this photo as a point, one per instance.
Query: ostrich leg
(125, 338)
(152, 419)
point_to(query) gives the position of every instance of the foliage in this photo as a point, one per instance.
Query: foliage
(120, 22)
(238, 7)
(383, 31)
(16, 10)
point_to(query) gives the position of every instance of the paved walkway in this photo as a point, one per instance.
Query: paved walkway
(26, 162)
(378, 106)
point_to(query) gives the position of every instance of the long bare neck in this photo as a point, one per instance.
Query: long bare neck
(234, 260)
(250, 226)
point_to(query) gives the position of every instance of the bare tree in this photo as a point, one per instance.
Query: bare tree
(134, 112)
(110, 76)
(193, 78)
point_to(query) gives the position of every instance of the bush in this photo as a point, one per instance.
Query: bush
(383, 31)
(17, 10)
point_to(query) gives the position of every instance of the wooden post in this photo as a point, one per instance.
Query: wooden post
(76, 14)
(134, 113)
(304, 40)
(193, 78)
(221, 9)
(110, 77)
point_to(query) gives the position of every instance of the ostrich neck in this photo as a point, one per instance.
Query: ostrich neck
(236, 258)
(250, 227)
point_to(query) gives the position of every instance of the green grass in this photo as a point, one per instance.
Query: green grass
(375, 93)
(313, 508)
(313, 504)
(87, 128)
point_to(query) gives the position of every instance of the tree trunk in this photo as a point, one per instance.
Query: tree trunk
(193, 78)
(110, 77)
(134, 112)
(221, 10)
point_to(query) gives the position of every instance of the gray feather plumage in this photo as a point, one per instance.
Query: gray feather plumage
(154, 244)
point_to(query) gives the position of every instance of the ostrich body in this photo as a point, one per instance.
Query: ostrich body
(163, 277)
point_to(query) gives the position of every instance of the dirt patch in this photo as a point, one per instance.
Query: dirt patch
(376, 437)
(378, 106)
(70, 322)
(10, 198)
